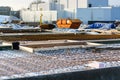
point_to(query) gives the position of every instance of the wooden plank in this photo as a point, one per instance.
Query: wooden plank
(51, 36)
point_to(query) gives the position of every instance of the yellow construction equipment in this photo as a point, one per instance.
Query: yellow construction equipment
(41, 19)
(45, 26)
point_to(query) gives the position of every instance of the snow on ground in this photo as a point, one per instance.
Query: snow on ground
(17, 26)
(9, 19)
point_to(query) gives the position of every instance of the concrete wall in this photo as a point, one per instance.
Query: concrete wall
(94, 14)
(101, 14)
(34, 16)
(115, 13)
(27, 49)
(84, 14)
(97, 3)
(69, 13)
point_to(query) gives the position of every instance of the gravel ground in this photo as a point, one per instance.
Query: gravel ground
(12, 54)
(23, 63)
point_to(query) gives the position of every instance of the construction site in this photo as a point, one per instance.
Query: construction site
(48, 47)
(56, 49)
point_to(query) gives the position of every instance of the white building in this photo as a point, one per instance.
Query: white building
(73, 4)
(98, 3)
(38, 8)
(45, 6)
(85, 10)
(93, 14)
(88, 10)
(34, 16)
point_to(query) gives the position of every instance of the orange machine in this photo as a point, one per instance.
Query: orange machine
(68, 23)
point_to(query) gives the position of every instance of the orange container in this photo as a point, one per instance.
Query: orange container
(68, 23)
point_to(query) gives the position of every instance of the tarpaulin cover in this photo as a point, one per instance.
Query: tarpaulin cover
(4, 18)
(101, 26)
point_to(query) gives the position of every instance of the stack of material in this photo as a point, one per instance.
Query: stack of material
(101, 26)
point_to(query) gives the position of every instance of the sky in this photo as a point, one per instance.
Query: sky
(18, 4)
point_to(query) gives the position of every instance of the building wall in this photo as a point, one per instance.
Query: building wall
(98, 3)
(115, 13)
(94, 14)
(101, 14)
(84, 14)
(5, 10)
(34, 16)
(73, 4)
(63, 4)
(40, 6)
(82, 3)
(74, 9)
(15, 13)
(69, 13)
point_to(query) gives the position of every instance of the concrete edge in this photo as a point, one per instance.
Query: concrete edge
(31, 50)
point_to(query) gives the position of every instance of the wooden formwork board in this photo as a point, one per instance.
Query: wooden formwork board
(51, 36)
(18, 31)
(56, 44)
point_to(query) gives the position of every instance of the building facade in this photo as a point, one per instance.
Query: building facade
(34, 16)
(73, 4)
(5, 10)
(85, 10)
(94, 14)
(89, 10)
(39, 6)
